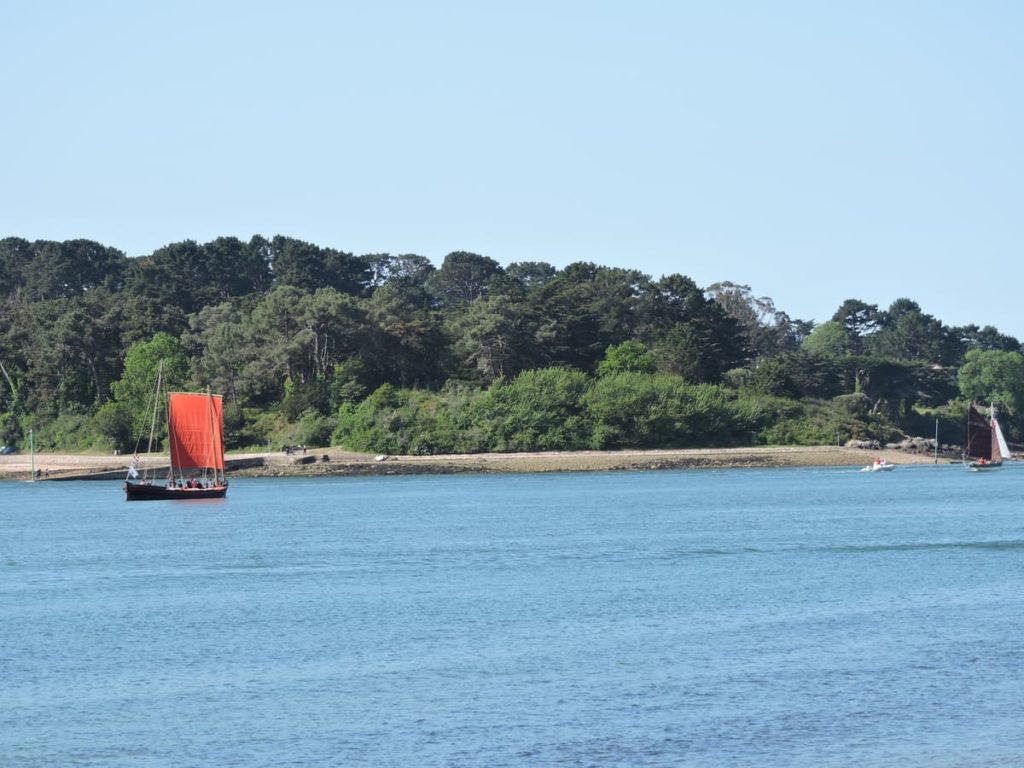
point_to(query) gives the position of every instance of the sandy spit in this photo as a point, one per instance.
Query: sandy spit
(332, 461)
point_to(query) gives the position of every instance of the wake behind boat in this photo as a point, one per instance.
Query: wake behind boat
(195, 429)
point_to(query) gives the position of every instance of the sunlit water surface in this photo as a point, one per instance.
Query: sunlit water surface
(800, 617)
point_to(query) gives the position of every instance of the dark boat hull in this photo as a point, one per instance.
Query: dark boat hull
(140, 492)
(977, 466)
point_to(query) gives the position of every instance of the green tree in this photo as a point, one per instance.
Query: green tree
(307, 266)
(691, 350)
(767, 330)
(491, 337)
(235, 268)
(177, 274)
(15, 265)
(629, 356)
(463, 277)
(618, 298)
(334, 326)
(530, 275)
(797, 374)
(249, 348)
(349, 382)
(859, 319)
(907, 333)
(829, 339)
(137, 385)
(88, 331)
(987, 338)
(405, 270)
(228, 353)
(773, 376)
(15, 338)
(896, 386)
(994, 376)
(10, 429)
(569, 329)
(690, 334)
(47, 269)
(586, 308)
(61, 353)
(407, 345)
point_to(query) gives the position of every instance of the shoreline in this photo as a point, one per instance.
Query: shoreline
(323, 462)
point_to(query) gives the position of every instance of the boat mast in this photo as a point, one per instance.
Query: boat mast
(156, 406)
(212, 457)
(993, 444)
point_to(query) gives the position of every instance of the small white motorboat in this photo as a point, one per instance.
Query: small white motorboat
(879, 465)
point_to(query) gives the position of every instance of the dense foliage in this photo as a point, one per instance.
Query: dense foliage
(387, 353)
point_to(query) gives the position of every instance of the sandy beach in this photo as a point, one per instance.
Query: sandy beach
(334, 461)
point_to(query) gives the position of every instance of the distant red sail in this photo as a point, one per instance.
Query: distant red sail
(196, 431)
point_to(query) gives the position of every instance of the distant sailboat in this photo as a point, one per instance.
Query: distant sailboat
(985, 447)
(195, 428)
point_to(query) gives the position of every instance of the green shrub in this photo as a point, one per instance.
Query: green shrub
(634, 410)
(539, 410)
(113, 423)
(406, 421)
(816, 423)
(314, 429)
(857, 405)
(752, 413)
(10, 429)
(72, 431)
(300, 397)
(625, 357)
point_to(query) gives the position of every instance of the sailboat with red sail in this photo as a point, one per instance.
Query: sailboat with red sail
(985, 447)
(195, 428)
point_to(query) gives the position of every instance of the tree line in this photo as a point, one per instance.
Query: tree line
(387, 352)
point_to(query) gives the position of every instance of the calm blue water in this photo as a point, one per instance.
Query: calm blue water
(797, 617)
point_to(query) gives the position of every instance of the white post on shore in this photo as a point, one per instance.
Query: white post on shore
(32, 451)
(936, 439)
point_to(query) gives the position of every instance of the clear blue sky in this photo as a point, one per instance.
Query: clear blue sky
(815, 151)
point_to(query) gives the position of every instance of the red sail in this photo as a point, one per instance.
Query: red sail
(196, 431)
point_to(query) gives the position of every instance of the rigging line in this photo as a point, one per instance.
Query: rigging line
(211, 457)
(156, 405)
